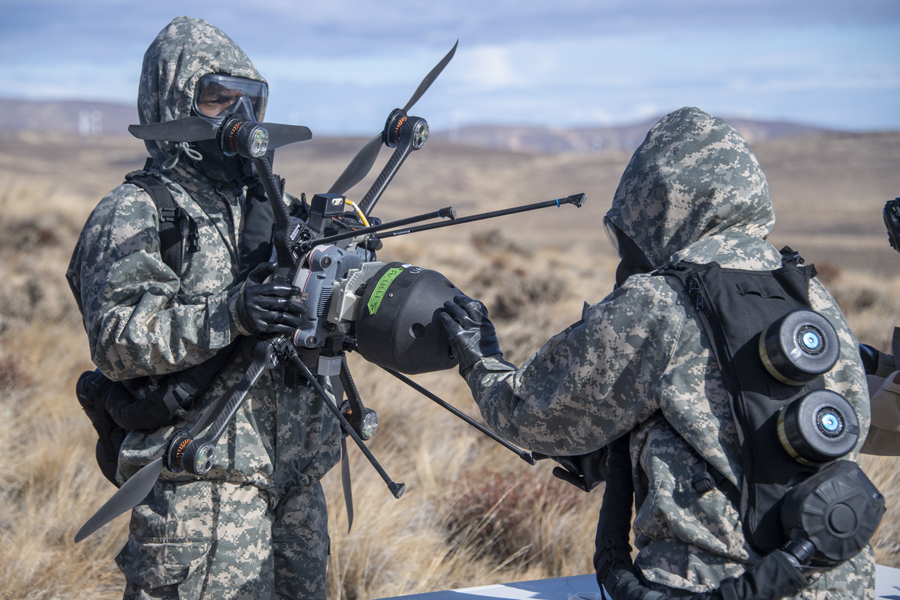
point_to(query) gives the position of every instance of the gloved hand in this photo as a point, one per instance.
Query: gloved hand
(269, 307)
(472, 335)
(584, 471)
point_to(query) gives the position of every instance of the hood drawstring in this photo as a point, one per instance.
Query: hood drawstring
(181, 148)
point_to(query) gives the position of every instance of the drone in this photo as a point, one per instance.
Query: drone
(385, 312)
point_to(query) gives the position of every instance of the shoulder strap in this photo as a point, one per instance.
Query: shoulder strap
(181, 388)
(171, 218)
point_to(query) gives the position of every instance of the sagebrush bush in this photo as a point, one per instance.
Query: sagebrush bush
(497, 516)
(13, 374)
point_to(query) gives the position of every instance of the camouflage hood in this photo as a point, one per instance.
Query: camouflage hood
(183, 52)
(693, 177)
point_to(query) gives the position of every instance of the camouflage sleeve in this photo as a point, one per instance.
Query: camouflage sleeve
(590, 383)
(138, 319)
(847, 377)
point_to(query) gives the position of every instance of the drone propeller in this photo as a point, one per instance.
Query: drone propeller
(282, 135)
(129, 495)
(196, 129)
(362, 163)
(189, 129)
(358, 168)
(429, 79)
(141, 483)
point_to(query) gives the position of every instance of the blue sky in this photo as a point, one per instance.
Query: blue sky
(341, 66)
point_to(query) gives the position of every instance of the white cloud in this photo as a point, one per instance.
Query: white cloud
(647, 110)
(488, 68)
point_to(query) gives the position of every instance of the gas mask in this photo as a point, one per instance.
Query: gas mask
(216, 97)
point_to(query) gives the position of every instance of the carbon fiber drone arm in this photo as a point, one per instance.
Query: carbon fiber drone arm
(194, 453)
(387, 174)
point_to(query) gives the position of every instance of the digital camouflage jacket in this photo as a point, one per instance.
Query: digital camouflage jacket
(639, 361)
(143, 319)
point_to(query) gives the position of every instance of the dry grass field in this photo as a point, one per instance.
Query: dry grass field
(473, 512)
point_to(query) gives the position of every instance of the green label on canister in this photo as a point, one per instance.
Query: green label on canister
(380, 288)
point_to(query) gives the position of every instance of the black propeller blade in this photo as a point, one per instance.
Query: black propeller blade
(429, 79)
(128, 496)
(362, 163)
(141, 483)
(189, 129)
(358, 168)
(282, 135)
(195, 129)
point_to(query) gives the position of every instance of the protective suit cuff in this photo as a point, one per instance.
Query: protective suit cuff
(217, 313)
(485, 367)
(234, 301)
(496, 362)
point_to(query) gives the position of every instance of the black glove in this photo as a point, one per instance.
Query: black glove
(584, 471)
(472, 335)
(269, 307)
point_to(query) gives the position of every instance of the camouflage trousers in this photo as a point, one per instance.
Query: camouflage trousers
(854, 578)
(207, 540)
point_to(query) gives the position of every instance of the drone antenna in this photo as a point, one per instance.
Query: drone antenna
(528, 457)
(576, 199)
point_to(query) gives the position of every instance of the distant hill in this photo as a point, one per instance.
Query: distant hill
(71, 116)
(603, 139)
(104, 118)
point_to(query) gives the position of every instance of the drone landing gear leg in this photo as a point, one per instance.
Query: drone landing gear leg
(396, 489)
(529, 457)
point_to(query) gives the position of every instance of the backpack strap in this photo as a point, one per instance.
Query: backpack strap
(171, 220)
(150, 405)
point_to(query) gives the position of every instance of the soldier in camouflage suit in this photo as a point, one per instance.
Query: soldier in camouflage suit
(256, 525)
(640, 362)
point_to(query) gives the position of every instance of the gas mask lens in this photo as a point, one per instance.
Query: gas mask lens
(216, 94)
